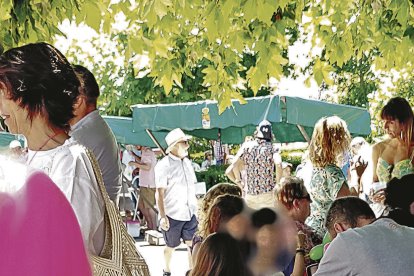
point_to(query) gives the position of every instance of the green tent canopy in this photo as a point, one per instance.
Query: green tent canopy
(124, 134)
(292, 118)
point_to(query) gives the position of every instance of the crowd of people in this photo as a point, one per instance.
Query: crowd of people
(266, 223)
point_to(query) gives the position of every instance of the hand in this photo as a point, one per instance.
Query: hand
(359, 166)
(165, 224)
(378, 197)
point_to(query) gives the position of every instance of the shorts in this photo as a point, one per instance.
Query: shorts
(149, 195)
(264, 200)
(179, 229)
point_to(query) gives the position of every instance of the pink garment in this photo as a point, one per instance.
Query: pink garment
(147, 178)
(39, 232)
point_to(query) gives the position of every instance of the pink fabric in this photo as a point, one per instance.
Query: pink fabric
(39, 233)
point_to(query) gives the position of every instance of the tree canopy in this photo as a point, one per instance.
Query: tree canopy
(209, 39)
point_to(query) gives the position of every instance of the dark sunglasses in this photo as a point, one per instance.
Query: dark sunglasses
(307, 197)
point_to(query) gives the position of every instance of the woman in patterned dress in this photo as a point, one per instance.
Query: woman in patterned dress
(330, 140)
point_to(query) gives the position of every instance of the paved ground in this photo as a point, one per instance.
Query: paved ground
(154, 256)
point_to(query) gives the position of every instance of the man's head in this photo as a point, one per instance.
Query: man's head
(348, 212)
(89, 92)
(177, 143)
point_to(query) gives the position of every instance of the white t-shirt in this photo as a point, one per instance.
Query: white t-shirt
(69, 167)
(177, 177)
(94, 133)
(381, 248)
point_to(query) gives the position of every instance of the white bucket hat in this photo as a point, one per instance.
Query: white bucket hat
(175, 136)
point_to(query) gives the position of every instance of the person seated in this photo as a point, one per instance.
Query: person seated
(212, 194)
(37, 239)
(209, 161)
(362, 245)
(293, 196)
(223, 209)
(399, 200)
(220, 254)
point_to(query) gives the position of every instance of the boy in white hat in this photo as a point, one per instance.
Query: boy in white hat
(176, 199)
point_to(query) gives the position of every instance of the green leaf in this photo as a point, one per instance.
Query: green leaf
(403, 12)
(250, 10)
(93, 15)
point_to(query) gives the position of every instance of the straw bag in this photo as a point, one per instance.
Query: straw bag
(119, 255)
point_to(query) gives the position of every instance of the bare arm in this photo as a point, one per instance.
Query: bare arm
(344, 191)
(141, 165)
(160, 202)
(233, 171)
(376, 152)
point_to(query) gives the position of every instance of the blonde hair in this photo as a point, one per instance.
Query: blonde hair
(330, 140)
(215, 191)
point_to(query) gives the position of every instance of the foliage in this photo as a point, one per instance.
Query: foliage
(207, 40)
(292, 157)
(356, 80)
(213, 176)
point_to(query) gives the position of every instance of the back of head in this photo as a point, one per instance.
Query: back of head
(41, 80)
(217, 190)
(222, 210)
(290, 188)
(347, 210)
(89, 86)
(220, 255)
(330, 140)
(264, 131)
(399, 199)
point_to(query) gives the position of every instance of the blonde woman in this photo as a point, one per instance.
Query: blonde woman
(330, 140)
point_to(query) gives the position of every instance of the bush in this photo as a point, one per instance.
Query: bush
(212, 176)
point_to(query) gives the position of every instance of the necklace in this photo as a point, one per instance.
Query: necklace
(43, 145)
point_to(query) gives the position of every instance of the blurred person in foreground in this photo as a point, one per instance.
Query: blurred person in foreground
(176, 199)
(293, 195)
(34, 240)
(263, 167)
(38, 92)
(91, 130)
(220, 254)
(223, 209)
(363, 245)
(330, 140)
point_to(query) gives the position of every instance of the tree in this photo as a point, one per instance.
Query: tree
(355, 81)
(178, 35)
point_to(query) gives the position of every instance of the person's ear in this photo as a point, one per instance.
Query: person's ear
(412, 208)
(78, 102)
(339, 227)
(296, 204)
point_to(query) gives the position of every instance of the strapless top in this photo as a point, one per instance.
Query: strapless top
(386, 172)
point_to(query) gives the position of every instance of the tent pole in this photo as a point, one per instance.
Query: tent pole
(304, 134)
(149, 132)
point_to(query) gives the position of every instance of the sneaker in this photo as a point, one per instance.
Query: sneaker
(165, 273)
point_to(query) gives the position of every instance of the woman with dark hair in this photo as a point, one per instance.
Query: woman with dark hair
(394, 157)
(220, 255)
(38, 90)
